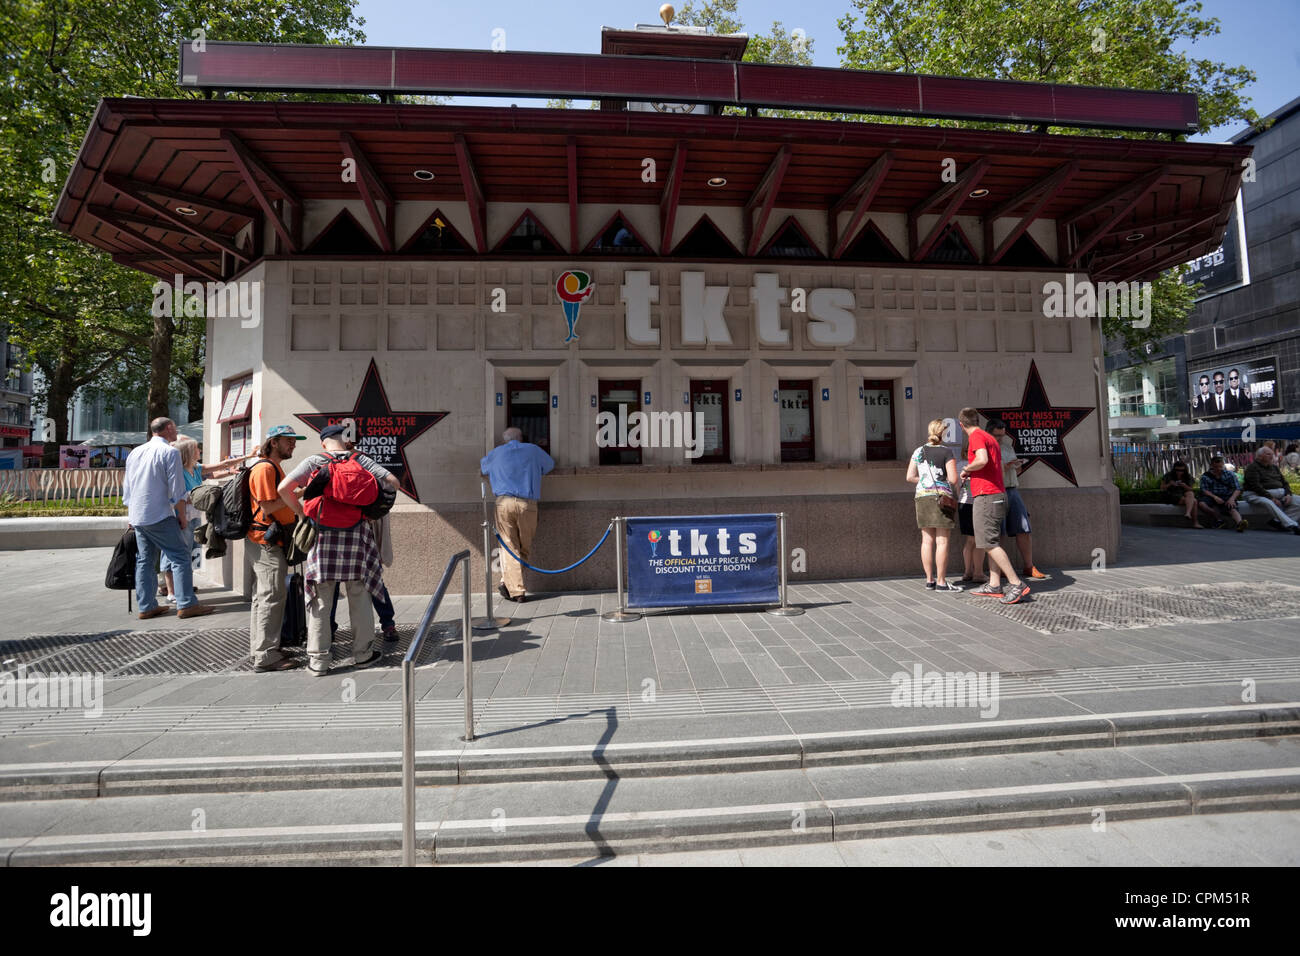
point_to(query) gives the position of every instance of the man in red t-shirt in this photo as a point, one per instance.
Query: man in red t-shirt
(989, 499)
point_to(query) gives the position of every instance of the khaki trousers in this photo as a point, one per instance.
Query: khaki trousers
(360, 610)
(269, 600)
(517, 523)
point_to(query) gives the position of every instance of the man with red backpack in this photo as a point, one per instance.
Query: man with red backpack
(337, 485)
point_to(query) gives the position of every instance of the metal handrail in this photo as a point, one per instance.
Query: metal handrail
(408, 694)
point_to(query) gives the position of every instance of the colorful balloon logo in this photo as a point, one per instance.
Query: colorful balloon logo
(573, 288)
(654, 537)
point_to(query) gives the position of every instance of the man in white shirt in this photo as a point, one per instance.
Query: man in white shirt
(153, 490)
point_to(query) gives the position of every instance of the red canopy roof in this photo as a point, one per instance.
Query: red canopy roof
(234, 162)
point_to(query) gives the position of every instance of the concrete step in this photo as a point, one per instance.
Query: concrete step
(482, 762)
(521, 821)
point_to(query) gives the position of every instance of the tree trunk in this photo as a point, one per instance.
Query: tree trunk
(160, 367)
(194, 381)
(58, 401)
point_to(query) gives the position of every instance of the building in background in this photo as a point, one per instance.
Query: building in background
(1246, 323)
(15, 404)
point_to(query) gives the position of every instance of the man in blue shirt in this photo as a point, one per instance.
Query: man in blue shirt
(153, 490)
(515, 470)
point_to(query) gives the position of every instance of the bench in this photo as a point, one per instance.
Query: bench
(1171, 516)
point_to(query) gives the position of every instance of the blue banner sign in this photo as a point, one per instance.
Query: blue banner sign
(684, 561)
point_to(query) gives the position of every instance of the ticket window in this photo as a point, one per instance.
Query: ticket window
(619, 397)
(878, 404)
(709, 398)
(528, 408)
(796, 410)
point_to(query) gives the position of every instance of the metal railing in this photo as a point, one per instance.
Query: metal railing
(1138, 409)
(40, 491)
(408, 693)
(1135, 462)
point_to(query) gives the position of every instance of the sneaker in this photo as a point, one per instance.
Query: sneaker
(1014, 593)
(317, 670)
(390, 633)
(987, 590)
(1274, 523)
(1243, 524)
(153, 612)
(375, 654)
(1295, 529)
(171, 598)
(929, 585)
(195, 610)
(947, 586)
(1035, 574)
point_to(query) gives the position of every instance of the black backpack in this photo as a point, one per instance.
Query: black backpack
(121, 566)
(381, 505)
(232, 515)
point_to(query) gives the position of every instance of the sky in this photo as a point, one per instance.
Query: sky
(1261, 34)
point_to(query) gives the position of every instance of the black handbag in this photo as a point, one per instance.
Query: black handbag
(293, 629)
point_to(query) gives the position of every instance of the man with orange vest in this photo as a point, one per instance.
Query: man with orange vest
(345, 551)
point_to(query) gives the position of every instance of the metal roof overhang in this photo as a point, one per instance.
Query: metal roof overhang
(239, 162)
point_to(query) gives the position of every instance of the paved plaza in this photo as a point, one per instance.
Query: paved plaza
(1184, 637)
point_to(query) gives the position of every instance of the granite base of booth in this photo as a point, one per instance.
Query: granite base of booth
(841, 536)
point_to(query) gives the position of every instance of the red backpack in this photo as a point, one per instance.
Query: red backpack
(338, 490)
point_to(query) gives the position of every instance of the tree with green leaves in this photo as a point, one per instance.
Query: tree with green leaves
(1117, 43)
(81, 318)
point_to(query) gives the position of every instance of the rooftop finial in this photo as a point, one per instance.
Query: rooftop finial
(666, 13)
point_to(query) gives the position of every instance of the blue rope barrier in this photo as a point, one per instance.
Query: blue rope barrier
(562, 570)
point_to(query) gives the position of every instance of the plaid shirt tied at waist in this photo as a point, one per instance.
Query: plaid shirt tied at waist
(348, 555)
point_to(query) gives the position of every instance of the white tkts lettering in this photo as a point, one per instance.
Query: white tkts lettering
(75, 909)
(766, 297)
(637, 293)
(702, 321)
(833, 321)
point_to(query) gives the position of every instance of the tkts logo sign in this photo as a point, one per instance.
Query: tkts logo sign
(377, 430)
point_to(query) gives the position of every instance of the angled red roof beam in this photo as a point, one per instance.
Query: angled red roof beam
(1127, 199)
(174, 220)
(272, 66)
(865, 189)
(955, 193)
(1046, 189)
(668, 201)
(111, 219)
(764, 198)
(473, 193)
(250, 167)
(369, 184)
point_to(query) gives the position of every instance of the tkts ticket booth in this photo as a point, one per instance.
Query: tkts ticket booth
(693, 307)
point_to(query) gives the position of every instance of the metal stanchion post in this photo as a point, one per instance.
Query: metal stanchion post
(785, 610)
(468, 631)
(408, 763)
(489, 622)
(622, 615)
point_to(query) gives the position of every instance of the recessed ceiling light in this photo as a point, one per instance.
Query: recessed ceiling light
(423, 174)
(1134, 237)
(717, 181)
(187, 210)
(978, 193)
